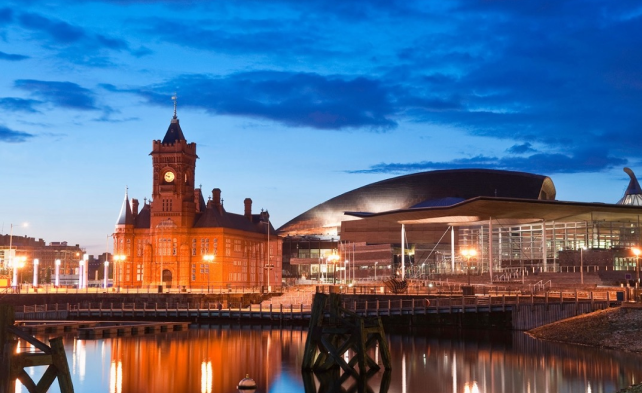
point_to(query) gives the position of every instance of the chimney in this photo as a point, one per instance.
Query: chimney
(248, 208)
(134, 207)
(197, 199)
(216, 199)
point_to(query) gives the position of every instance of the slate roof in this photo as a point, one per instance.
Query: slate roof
(212, 217)
(143, 219)
(174, 132)
(125, 217)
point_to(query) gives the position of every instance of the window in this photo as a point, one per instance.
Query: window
(139, 248)
(193, 247)
(167, 205)
(205, 246)
(139, 272)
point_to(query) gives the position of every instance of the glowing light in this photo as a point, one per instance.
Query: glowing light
(471, 387)
(116, 377)
(207, 377)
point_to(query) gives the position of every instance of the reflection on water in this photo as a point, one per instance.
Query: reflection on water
(214, 360)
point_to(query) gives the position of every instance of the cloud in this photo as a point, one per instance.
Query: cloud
(279, 38)
(12, 57)
(19, 104)
(61, 94)
(59, 31)
(10, 136)
(521, 149)
(77, 44)
(581, 161)
(293, 99)
(6, 15)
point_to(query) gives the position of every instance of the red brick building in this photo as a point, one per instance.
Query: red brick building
(179, 240)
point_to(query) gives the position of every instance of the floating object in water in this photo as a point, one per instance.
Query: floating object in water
(247, 384)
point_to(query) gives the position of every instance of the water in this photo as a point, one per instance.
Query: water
(215, 359)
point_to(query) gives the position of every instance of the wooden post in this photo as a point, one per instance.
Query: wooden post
(12, 364)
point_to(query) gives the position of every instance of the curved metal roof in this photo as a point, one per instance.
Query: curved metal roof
(422, 189)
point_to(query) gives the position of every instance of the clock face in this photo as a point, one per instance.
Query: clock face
(169, 177)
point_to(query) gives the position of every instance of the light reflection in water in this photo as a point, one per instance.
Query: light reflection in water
(471, 387)
(216, 359)
(116, 377)
(206, 377)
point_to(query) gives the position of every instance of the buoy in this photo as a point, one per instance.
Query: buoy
(247, 384)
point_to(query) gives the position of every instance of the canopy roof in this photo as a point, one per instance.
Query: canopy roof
(477, 211)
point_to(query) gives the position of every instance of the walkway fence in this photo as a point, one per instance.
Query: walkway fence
(562, 303)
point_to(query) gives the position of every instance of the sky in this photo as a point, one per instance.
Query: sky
(294, 102)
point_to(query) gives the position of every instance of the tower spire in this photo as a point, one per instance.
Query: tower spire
(175, 99)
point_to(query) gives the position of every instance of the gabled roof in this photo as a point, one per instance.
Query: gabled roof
(174, 132)
(212, 217)
(143, 219)
(125, 217)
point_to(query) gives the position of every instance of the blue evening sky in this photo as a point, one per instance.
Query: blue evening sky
(294, 102)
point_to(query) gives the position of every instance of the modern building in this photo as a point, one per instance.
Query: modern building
(176, 239)
(426, 223)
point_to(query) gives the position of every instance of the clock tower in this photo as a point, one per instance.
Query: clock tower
(174, 164)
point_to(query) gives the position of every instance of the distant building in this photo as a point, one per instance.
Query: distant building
(30, 249)
(178, 240)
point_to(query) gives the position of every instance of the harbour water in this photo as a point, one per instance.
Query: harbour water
(214, 359)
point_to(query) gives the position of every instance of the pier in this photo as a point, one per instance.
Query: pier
(515, 311)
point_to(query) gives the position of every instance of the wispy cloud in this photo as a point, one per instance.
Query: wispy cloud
(10, 136)
(19, 104)
(293, 99)
(583, 161)
(12, 57)
(61, 94)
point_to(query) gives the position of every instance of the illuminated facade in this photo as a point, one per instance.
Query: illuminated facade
(511, 219)
(179, 240)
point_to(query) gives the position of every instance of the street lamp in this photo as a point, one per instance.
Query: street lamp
(57, 273)
(333, 260)
(637, 252)
(106, 273)
(582, 264)
(36, 262)
(208, 258)
(346, 271)
(468, 253)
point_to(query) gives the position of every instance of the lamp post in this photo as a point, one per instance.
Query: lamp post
(36, 262)
(106, 273)
(637, 252)
(346, 271)
(333, 260)
(582, 264)
(468, 253)
(208, 258)
(57, 281)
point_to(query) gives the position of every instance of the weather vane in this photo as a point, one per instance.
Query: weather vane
(175, 99)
